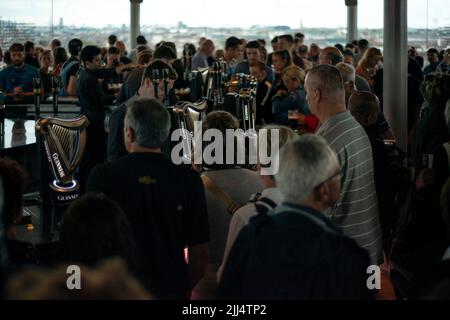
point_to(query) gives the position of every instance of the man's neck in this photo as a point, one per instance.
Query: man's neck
(311, 203)
(134, 148)
(329, 111)
(20, 67)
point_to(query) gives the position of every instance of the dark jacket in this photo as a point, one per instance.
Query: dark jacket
(294, 252)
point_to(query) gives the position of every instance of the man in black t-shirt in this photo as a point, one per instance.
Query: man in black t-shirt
(71, 67)
(165, 204)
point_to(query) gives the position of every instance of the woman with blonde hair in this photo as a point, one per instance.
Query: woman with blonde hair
(368, 65)
(294, 98)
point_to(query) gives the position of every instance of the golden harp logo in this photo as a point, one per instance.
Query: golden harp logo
(146, 180)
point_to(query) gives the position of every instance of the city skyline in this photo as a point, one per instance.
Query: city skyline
(201, 13)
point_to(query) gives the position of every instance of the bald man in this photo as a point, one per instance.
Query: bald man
(356, 212)
(349, 78)
(365, 108)
(200, 59)
(332, 56)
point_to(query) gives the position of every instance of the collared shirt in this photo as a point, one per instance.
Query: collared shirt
(356, 213)
(12, 77)
(242, 217)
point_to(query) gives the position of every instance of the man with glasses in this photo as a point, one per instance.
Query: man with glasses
(356, 213)
(295, 251)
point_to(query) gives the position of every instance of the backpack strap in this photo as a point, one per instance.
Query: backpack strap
(212, 187)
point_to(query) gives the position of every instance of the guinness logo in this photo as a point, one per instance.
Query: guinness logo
(146, 180)
(58, 165)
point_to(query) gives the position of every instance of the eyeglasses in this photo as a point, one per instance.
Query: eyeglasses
(339, 174)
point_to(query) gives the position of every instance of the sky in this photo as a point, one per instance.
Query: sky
(228, 13)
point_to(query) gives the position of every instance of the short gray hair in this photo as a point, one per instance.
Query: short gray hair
(150, 122)
(306, 162)
(328, 79)
(347, 71)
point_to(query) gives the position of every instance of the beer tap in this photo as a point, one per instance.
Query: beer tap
(166, 78)
(155, 79)
(37, 96)
(55, 93)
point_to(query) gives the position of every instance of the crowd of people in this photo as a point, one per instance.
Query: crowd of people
(342, 200)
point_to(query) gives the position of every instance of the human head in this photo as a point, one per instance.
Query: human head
(253, 52)
(75, 46)
(17, 54)
(258, 70)
(145, 57)
(310, 172)
(285, 135)
(219, 54)
(281, 59)
(340, 47)
(110, 280)
(348, 75)
(370, 58)
(325, 92)
(433, 55)
(55, 44)
(221, 121)
(93, 228)
(207, 47)
(166, 54)
(350, 46)
(90, 57)
(45, 59)
(59, 55)
(302, 51)
(233, 47)
(112, 39)
(330, 55)
(364, 107)
(314, 50)
(363, 44)
(447, 56)
(113, 56)
(121, 46)
(141, 40)
(293, 77)
(146, 125)
(286, 42)
(349, 56)
(299, 38)
(274, 44)
(29, 48)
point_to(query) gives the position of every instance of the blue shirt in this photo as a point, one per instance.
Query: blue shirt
(296, 100)
(199, 60)
(12, 77)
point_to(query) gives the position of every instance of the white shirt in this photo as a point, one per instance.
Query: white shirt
(241, 218)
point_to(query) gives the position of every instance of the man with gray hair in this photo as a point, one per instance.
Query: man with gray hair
(356, 212)
(295, 251)
(165, 204)
(332, 56)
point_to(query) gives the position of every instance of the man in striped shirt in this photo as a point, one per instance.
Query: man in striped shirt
(356, 212)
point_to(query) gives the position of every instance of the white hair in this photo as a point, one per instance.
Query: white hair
(347, 71)
(305, 163)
